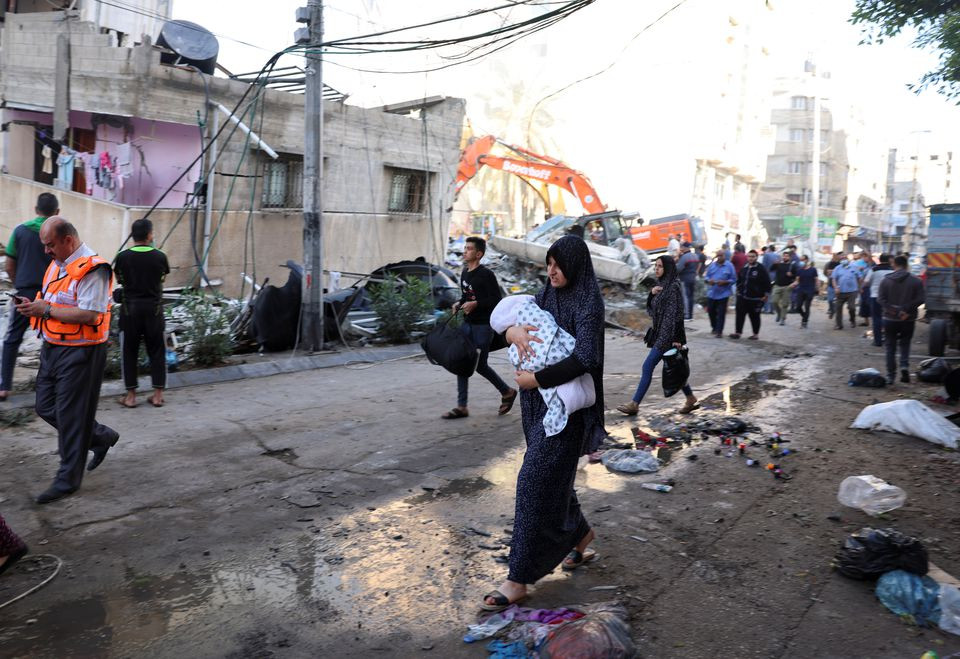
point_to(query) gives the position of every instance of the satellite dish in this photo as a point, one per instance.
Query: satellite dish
(190, 43)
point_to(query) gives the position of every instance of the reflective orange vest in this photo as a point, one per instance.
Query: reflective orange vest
(61, 293)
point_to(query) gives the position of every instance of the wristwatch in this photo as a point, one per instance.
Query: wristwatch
(46, 312)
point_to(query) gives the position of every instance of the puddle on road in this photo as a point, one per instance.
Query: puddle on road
(746, 393)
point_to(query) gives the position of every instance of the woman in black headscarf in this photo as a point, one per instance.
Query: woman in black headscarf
(549, 525)
(665, 305)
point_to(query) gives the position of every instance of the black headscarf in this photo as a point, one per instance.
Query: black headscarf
(666, 308)
(578, 309)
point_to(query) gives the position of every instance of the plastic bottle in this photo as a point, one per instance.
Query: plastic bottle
(870, 494)
(658, 487)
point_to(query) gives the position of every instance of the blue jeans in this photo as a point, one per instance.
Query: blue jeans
(831, 297)
(16, 327)
(898, 333)
(688, 293)
(481, 335)
(877, 321)
(646, 375)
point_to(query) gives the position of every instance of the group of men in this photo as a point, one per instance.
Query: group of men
(63, 291)
(887, 293)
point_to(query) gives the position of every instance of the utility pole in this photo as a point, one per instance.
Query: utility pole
(311, 328)
(815, 171)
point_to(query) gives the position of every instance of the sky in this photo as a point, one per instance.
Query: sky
(631, 129)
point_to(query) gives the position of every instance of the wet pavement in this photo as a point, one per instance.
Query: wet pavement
(333, 514)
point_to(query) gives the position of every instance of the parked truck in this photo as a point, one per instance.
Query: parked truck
(943, 277)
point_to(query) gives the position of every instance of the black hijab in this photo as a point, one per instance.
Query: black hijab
(578, 309)
(666, 307)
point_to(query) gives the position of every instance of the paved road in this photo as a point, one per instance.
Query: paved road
(331, 513)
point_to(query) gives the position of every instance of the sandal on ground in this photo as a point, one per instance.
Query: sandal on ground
(154, 402)
(506, 403)
(575, 559)
(686, 409)
(455, 413)
(123, 403)
(500, 601)
(630, 409)
(753, 337)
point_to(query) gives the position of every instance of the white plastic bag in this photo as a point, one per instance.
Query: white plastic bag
(909, 417)
(950, 608)
(630, 460)
(870, 494)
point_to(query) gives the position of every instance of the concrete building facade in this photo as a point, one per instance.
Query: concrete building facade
(388, 171)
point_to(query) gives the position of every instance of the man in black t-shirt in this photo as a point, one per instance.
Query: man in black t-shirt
(480, 294)
(140, 270)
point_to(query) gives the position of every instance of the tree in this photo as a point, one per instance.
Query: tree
(937, 24)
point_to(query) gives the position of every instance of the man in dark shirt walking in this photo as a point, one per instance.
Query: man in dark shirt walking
(480, 294)
(900, 294)
(26, 262)
(753, 289)
(783, 276)
(140, 270)
(687, 267)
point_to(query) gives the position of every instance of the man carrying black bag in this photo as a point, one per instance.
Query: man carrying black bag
(480, 294)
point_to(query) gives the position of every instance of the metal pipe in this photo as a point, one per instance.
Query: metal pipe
(256, 138)
(208, 197)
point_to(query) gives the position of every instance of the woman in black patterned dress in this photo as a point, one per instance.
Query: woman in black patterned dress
(549, 527)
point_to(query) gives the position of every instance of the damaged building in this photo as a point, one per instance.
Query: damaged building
(110, 122)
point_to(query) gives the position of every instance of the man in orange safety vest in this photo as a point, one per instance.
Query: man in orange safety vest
(72, 313)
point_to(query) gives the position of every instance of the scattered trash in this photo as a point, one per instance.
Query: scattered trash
(599, 588)
(604, 632)
(867, 377)
(630, 461)
(950, 608)
(488, 627)
(933, 370)
(603, 509)
(870, 494)
(909, 417)
(870, 553)
(656, 487)
(910, 596)
(638, 538)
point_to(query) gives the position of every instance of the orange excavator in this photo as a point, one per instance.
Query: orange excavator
(529, 167)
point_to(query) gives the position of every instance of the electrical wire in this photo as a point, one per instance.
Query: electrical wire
(606, 68)
(42, 583)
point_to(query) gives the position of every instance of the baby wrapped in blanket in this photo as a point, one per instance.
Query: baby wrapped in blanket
(557, 345)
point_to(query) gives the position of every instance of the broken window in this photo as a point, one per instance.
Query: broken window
(408, 190)
(283, 183)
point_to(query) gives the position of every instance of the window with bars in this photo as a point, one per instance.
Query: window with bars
(283, 183)
(408, 190)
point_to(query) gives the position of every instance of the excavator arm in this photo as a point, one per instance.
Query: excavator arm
(534, 168)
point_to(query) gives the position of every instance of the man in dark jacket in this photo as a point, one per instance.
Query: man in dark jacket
(753, 289)
(480, 294)
(26, 262)
(900, 295)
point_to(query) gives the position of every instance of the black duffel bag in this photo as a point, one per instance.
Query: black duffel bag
(450, 348)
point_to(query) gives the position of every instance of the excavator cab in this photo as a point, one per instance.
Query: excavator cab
(603, 228)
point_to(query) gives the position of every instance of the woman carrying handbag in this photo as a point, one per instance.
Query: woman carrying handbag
(665, 305)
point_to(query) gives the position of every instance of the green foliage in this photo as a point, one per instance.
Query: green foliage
(937, 24)
(401, 304)
(207, 332)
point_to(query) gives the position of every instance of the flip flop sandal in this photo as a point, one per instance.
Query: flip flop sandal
(628, 409)
(506, 403)
(153, 402)
(129, 407)
(575, 559)
(500, 601)
(687, 409)
(455, 413)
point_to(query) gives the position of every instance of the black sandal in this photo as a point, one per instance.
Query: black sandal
(576, 559)
(455, 413)
(506, 403)
(500, 601)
